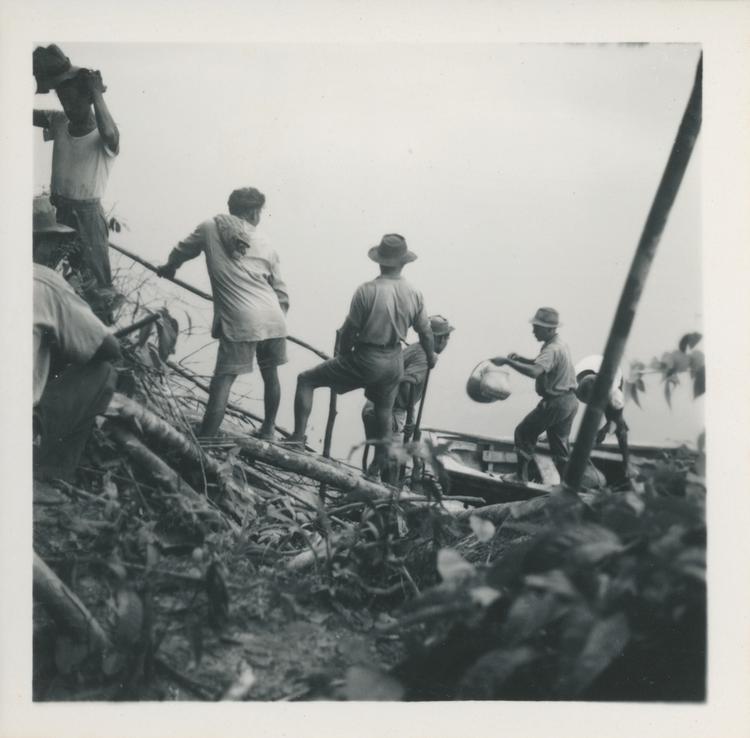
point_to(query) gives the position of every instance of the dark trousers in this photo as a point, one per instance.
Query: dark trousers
(555, 416)
(87, 217)
(65, 417)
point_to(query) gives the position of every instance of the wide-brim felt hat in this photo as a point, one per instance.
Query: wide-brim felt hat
(51, 68)
(488, 383)
(440, 325)
(391, 251)
(45, 217)
(546, 317)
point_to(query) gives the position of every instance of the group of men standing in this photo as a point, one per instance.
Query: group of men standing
(250, 305)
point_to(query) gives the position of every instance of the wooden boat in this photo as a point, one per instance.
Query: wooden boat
(475, 465)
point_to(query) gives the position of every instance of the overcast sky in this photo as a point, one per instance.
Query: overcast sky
(520, 174)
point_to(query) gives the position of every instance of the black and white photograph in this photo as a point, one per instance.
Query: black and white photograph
(376, 370)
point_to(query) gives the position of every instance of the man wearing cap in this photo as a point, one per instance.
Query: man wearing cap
(555, 383)
(586, 372)
(250, 303)
(73, 379)
(412, 383)
(380, 315)
(85, 143)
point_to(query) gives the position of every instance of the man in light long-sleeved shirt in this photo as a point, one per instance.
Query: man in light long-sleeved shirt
(250, 303)
(380, 315)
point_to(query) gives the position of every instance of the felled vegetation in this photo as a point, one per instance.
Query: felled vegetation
(177, 567)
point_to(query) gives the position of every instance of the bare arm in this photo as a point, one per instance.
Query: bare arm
(104, 121)
(427, 341)
(529, 370)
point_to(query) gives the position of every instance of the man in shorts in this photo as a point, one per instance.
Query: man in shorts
(250, 303)
(380, 315)
(586, 371)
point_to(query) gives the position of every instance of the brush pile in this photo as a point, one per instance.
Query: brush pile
(177, 567)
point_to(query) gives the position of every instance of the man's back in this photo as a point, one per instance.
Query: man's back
(383, 310)
(247, 288)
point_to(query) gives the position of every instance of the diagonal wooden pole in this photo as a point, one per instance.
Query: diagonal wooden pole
(635, 282)
(204, 295)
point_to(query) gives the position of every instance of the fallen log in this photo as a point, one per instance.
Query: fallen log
(327, 471)
(66, 609)
(164, 477)
(158, 430)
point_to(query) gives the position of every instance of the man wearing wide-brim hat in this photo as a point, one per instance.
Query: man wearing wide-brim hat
(555, 381)
(73, 378)
(86, 142)
(380, 315)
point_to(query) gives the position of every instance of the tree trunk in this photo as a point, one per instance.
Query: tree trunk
(164, 477)
(66, 609)
(158, 430)
(315, 467)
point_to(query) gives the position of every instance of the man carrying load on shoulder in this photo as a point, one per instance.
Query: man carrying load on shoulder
(555, 382)
(86, 141)
(380, 315)
(250, 303)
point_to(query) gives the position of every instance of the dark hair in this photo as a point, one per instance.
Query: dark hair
(244, 199)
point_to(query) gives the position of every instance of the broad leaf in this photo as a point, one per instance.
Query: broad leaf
(689, 340)
(492, 671)
(365, 683)
(167, 329)
(530, 612)
(452, 567)
(129, 612)
(484, 530)
(606, 642)
(555, 581)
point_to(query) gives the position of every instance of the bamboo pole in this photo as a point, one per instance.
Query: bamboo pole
(200, 293)
(635, 282)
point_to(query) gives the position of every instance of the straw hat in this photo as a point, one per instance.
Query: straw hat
(488, 383)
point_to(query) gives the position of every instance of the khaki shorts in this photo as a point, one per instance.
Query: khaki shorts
(237, 357)
(376, 370)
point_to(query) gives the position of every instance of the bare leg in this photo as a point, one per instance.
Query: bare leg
(271, 400)
(218, 396)
(383, 416)
(303, 400)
